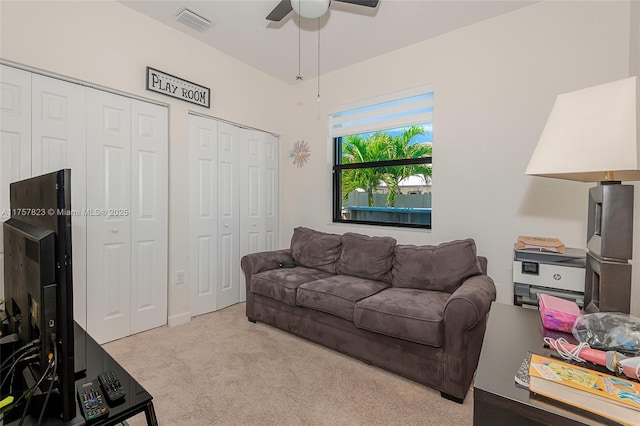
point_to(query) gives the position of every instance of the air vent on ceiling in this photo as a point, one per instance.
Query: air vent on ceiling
(193, 20)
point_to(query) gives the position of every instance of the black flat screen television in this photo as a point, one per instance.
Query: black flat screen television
(38, 283)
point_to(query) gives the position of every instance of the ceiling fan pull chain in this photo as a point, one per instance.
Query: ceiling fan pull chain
(299, 76)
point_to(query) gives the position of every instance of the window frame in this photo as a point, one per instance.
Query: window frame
(337, 169)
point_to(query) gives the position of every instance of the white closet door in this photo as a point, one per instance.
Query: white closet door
(15, 139)
(203, 213)
(228, 216)
(233, 207)
(271, 203)
(258, 194)
(252, 197)
(58, 142)
(109, 232)
(149, 187)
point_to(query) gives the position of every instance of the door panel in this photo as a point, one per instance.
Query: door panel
(144, 296)
(15, 139)
(109, 228)
(149, 215)
(205, 272)
(58, 142)
(271, 219)
(259, 194)
(203, 202)
(54, 153)
(228, 216)
(114, 258)
(252, 197)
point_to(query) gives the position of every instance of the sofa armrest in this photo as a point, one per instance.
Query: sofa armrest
(465, 320)
(469, 304)
(255, 263)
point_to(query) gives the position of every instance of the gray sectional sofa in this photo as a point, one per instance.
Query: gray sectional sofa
(418, 311)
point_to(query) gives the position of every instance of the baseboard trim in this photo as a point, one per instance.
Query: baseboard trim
(179, 319)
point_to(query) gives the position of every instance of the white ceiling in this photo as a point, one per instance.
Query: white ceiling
(348, 33)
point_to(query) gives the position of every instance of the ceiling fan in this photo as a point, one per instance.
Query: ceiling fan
(310, 9)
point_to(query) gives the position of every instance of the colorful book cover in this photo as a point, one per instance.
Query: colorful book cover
(600, 393)
(522, 375)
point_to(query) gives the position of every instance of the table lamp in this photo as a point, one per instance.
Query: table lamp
(593, 135)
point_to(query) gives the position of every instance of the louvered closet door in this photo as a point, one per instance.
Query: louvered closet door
(15, 139)
(149, 187)
(203, 213)
(58, 142)
(109, 231)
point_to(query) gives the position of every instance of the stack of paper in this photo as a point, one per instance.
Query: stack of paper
(553, 245)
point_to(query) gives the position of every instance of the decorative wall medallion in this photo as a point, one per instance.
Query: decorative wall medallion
(300, 153)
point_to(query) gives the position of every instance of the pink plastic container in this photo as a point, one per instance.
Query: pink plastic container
(558, 314)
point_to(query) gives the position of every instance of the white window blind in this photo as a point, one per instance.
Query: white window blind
(414, 106)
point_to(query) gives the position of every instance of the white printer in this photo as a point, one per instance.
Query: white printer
(557, 274)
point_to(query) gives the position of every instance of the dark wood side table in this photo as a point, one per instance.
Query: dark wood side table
(512, 331)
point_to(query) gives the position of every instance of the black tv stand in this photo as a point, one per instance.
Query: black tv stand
(95, 360)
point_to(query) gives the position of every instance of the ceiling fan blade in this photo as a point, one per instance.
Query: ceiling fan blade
(367, 3)
(281, 10)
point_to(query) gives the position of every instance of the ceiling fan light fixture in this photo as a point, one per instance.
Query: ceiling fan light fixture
(310, 9)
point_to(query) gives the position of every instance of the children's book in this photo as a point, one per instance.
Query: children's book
(608, 396)
(522, 375)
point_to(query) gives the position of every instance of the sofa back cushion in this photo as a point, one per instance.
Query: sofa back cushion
(367, 257)
(438, 268)
(315, 249)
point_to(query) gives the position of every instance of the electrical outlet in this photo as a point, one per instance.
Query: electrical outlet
(179, 277)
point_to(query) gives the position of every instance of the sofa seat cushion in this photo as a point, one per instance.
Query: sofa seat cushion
(281, 284)
(406, 313)
(337, 294)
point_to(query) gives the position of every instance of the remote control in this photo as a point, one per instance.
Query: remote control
(92, 402)
(111, 385)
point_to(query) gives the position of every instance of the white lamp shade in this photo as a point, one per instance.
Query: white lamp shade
(310, 9)
(590, 132)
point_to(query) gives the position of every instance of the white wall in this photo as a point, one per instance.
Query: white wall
(494, 83)
(108, 44)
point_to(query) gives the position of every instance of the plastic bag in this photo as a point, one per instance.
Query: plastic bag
(609, 331)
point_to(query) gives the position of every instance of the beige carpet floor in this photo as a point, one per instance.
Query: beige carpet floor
(220, 369)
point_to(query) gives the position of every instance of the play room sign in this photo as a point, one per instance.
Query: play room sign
(167, 84)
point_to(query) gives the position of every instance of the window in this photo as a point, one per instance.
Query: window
(382, 160)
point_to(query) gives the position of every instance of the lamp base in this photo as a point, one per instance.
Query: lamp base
(610, 244)
(607, 285)
(610, 220)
